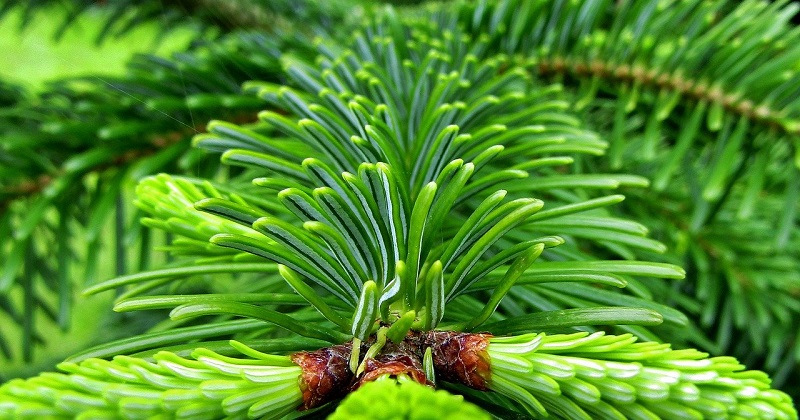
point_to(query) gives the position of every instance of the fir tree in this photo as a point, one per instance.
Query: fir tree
(344, 203)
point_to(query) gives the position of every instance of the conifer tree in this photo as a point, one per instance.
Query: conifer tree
(508, 209)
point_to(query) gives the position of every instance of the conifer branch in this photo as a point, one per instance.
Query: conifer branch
(412, 188)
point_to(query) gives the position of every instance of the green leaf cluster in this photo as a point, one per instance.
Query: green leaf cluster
(205, 386)
(585, 376)
(389, 399)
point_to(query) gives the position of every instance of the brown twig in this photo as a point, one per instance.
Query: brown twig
(35, 186)
(651, 77)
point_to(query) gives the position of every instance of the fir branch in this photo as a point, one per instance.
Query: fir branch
(207, 385)
(391, 184)
(205, 15)
(668, 82)
(404, 398)
(628, 42)
(351, 214)
(117, 129)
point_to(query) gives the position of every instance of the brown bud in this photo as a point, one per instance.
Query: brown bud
(460, 357)
(326, 374)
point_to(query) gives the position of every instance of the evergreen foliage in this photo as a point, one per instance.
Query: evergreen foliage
(413, 402)
(207, 386)
(457, 167)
